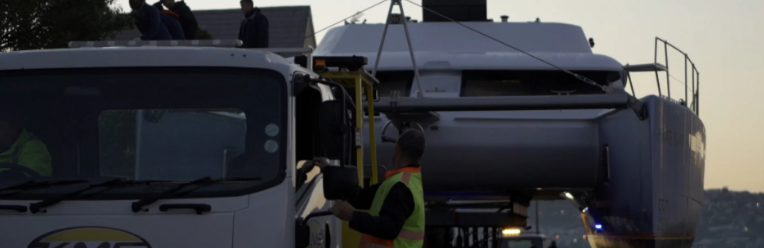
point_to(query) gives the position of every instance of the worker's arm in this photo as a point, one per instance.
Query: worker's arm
(35, 156)
(396, 208)
(365, 197)
(152, 20)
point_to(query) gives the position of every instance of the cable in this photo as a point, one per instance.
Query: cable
(324, 29)
(680, 81)
(579, 77)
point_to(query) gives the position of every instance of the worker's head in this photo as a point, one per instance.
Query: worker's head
(12, 120)
(168, 3)
(247, 6)
(408, 149)
(136, 4)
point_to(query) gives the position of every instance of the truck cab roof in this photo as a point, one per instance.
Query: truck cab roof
(106, 57)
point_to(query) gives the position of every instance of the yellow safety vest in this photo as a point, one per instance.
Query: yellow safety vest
(30, 152)
(412, 234)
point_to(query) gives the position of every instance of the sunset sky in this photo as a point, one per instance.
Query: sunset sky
(723, 38)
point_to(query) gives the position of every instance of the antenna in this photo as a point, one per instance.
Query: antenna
(408, 39)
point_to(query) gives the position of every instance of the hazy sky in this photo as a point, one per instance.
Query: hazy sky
(723, 38)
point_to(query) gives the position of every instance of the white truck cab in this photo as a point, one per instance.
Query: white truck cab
(164, 147)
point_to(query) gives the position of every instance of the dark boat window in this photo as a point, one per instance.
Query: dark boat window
(390, 81)
(532, 82)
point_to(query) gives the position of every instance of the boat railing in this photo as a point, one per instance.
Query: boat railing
(691, 76)
(694, 83)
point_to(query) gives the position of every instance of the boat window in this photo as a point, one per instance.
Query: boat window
(390, 81)
(526, 83)
(519, 244)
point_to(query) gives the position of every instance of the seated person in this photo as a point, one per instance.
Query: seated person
(148, 21)
(17, 146)
(171, 22)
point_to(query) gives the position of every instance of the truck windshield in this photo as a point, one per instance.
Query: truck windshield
(146, 124)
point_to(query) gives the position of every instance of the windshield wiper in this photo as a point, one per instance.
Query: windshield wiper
(35, 207)
(137, 206)
(35, 183)
(17, 184)
(127, 183)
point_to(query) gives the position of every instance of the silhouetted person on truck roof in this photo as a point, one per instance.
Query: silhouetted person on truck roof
(185, 16)
(171, 22)
(254, 28)
(147, 20)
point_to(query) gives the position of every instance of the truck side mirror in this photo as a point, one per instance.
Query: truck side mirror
(340, 183)
(332, 128)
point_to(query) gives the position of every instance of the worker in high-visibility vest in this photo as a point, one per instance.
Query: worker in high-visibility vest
(396, 206)
(19, 147)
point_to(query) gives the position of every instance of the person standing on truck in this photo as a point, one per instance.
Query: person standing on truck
(254, 28)
(148, 22)
(20, 147)
(185, 16)
(170, 21)
(396, 206)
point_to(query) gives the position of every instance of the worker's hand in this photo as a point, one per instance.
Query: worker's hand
(342, 210)
(320, 162)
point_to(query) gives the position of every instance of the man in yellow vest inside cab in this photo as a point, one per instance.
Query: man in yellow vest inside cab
(19, 147)
(396, 206)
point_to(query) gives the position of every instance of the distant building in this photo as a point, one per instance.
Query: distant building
(289, 26)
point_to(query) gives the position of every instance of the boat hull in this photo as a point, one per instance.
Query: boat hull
(643, 178)
(655, 193)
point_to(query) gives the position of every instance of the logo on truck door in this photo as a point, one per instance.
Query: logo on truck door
(89, 237)
(316, 235)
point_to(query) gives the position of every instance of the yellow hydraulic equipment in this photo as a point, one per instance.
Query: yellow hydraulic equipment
(351, 75)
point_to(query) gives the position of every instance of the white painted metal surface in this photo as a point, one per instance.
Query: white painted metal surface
(448, 46)
(145, 57)
(263, 219)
